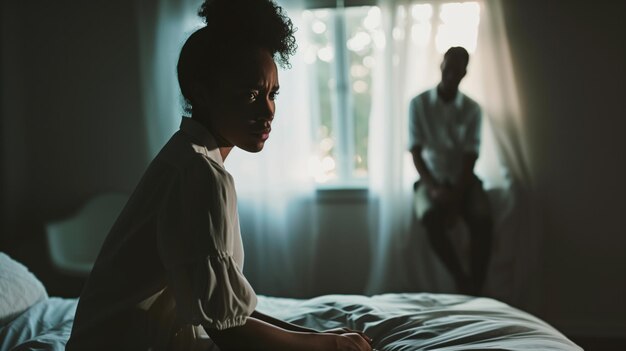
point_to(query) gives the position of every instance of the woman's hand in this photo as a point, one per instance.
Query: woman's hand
(352, 342)
(341, 331)
(258, 335)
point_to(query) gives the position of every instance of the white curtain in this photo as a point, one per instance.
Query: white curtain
(275, 195)
(278, 208)
(408, 64)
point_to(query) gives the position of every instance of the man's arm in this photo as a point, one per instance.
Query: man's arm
(470, 155)
(465, 178)
(425, 174)
(450, 197)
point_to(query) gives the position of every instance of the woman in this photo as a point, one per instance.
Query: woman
(170, 270)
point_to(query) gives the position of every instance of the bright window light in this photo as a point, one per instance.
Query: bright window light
(459, 26)
(340, 52)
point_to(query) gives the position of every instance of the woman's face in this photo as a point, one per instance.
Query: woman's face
(241, 106)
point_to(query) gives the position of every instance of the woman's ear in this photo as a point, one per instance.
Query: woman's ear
(200, 100)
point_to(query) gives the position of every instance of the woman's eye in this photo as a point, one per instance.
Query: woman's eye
(249, 96)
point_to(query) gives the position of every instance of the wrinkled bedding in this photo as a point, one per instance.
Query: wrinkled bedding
(424, 321)
(44, 326)
(395, 322)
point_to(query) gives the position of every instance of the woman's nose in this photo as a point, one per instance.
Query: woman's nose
(267, 110)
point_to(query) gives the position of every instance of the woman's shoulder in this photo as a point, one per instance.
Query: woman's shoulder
(183, 154)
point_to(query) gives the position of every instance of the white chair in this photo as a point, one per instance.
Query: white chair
(74, 243)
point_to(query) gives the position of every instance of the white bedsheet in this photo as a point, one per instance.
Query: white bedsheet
(424, 321)
(44, 326)
(395, 322)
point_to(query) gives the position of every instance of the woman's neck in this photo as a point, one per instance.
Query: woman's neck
(224, 151)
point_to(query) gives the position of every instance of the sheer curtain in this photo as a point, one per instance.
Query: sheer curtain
(275, 193)
(278, 208)
(408, 64)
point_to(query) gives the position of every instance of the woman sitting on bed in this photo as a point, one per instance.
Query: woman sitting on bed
(170, 270)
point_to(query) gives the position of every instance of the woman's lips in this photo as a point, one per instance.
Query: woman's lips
(263, 134)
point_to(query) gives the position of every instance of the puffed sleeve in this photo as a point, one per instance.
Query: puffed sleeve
(194, 230)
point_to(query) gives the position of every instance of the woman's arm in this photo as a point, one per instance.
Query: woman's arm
(293, 327)
(280, 323)
(259, 335)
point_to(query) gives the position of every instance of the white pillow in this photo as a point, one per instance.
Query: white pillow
(19, 289)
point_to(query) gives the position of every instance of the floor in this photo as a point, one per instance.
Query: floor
(600, 344)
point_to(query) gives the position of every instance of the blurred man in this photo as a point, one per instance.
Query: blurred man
(444, 139)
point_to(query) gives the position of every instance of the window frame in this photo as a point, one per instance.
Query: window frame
(342, 101)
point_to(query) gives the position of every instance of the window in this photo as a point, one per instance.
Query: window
(341, 55)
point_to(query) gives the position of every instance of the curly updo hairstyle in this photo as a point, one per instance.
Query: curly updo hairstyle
(233, 28)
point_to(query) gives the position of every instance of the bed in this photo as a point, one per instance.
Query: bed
(30, 320)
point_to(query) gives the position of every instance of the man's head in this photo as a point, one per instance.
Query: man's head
(453, 68)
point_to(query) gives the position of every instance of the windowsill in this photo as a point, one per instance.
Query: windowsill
(342, 193)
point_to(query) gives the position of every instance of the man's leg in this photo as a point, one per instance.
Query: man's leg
(477, 216)
(433, 218)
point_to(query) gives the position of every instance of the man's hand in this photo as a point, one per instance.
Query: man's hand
(441, 195)
(447, 197)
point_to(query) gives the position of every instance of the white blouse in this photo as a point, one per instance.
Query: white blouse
(198, 237)
(175, 250)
